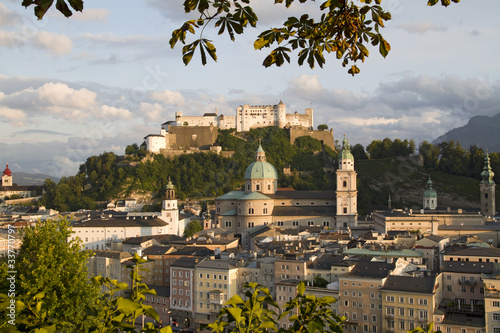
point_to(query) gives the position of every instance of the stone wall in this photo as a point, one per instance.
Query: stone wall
(325, 136)
(201, 137)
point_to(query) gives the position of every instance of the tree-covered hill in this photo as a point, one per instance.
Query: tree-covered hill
(383, 169)
(200, 175)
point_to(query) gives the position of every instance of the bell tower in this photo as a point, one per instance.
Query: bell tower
(170, 212)
(487, 188)
(347, 211)
(7, 176)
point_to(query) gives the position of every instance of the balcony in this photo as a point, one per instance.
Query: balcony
(467, 282)
(389, 315)
(477, 309)
(216, 297)
(492, 293)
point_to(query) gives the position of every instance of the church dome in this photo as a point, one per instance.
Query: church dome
(429, 192)
(7, 171)
(261, 170)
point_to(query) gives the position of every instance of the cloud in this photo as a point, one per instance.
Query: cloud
(38, 132)
(91, 14)
(113, 112)
(419, 107)
(152, 112)
(14, 116)
(56, 43)
(60, 99)
(420, 27)
(169, 97)
(8, 18)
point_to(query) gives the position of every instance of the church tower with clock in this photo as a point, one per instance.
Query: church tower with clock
(347, 212)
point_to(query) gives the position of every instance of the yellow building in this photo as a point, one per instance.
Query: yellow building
(408, 302)
(217, 282)
(492, 302)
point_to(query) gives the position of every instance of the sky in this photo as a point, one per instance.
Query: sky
(107, 77)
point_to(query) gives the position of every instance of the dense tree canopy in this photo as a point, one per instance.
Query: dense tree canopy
(344, 28)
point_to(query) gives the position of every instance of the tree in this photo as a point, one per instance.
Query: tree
(52, 277)
(358, 152)
(322, 127)
(192, 228)
(344, 29)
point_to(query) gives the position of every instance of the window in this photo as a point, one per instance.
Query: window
(295, 223)
(389, 310)
(410, 300)
(402, 311)
(310, 223)
(496, 316)
(448, 288)
(345, 210)
(374, 318)
(401, 299)
(495, 304)
(401, 325)
(411, 313)
(423, 314)
(372, 295)
(422, 301)
(228, 224)
(389, 298)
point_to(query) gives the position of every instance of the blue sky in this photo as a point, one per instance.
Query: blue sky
(103, 79)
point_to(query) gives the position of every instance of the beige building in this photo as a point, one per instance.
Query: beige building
(360, 298)
(492, 302)
(408, 302)
(217, 282)
(108, 264)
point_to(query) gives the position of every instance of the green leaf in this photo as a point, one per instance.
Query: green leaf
(301, 288)
(76, 5)
(235, 300)
(127, 306)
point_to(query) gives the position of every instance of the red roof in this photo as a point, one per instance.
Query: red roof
(7, 171)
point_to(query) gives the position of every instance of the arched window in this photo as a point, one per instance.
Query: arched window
(344, 183)
(257, 187)
(486, 195)
(264, 211)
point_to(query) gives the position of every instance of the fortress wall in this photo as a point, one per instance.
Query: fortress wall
(325, 136)
(198, 136)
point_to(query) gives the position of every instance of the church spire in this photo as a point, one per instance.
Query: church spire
(487, 174)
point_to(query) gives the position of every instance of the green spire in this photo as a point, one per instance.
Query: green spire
(170, 186)
(430, 193)
(487, 174)
(346, 150)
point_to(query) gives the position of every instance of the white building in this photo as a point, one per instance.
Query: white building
(170, 212)
(97, 234)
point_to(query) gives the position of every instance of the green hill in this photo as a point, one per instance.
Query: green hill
(207, 175)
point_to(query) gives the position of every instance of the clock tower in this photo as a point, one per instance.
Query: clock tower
(347, 211)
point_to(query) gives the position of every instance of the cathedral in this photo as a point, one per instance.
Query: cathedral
(261, 202)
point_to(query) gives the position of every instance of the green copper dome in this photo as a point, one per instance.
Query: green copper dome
(260, 169)
(430, 193)
(170, 186)
(487, 174)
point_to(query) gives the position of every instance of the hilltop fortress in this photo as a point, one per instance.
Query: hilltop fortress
(198, 133)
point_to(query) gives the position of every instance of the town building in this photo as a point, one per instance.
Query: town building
(408, 302)
(8, 188)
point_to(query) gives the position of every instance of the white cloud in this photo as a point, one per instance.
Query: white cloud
(420, 27)
(112, 112)
(91, 14)
(13, 115)
(56, 43)
(152, 111)
(169, 97)
(59, 98)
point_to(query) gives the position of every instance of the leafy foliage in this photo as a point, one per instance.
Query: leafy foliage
(344, 29)
(250, 315)
(52, 288)
(192, 228)
(308, 313)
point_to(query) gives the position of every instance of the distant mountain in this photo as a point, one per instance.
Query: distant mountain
(23, 178)
(482, 131)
